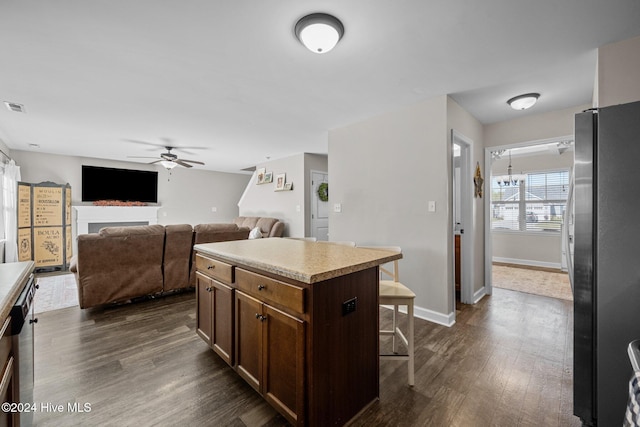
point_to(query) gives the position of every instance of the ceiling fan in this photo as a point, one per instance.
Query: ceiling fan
(169, 160)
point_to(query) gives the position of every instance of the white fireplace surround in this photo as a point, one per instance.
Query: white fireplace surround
(116, 215)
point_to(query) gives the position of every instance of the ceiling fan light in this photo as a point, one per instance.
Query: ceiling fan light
(319, 32)
(522, 102)
(168, 165)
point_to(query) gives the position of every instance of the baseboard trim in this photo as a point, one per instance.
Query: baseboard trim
(435, 317)
(447, 320)
(553, 265)
(479, 294)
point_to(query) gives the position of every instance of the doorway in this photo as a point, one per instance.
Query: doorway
(462, 218)
(319, 208)
(528, 234)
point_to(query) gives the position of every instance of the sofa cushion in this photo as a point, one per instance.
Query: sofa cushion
(178, 246)
(209, 233)
(270, 227)
(119, 263)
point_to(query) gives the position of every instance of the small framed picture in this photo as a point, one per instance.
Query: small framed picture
(280, 180)
(288, 186)
(261, 173)
(268, 177)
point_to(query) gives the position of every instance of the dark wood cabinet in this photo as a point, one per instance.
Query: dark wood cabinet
(204, 304)
(215, 307)
(7, 382)
(283, 357)
(270, 354)
(309, 346)
(249, 339)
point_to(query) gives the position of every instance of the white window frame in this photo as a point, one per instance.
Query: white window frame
(522, 205)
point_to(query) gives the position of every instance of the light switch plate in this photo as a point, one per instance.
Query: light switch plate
(337, 207)
(432, 206)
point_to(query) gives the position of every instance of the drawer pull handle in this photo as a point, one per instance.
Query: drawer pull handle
(261, 287)
(260, 317)
(211, 267)
(208, 289)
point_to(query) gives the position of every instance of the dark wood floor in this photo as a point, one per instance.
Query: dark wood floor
(506, 362)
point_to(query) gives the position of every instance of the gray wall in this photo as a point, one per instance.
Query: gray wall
(186, 196)
(383, 171)
(292, 207)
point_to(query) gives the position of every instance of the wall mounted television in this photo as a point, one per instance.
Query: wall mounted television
(99, 183)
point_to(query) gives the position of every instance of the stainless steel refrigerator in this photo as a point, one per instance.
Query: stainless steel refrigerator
(606, 260)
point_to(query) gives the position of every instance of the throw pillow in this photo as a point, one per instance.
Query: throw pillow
(255, 233)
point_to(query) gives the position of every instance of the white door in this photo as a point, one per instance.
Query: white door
(319, 209)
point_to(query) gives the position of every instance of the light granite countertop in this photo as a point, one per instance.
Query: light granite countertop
(307, 262)
(13, 275)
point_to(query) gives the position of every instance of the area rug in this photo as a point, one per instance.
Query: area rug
(552, 284)
(56, 291)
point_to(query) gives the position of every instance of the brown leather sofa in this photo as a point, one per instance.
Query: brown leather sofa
(122, 263)
(270, 227)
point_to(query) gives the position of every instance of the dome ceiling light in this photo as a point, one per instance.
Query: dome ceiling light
(319, 32)
(522, 102)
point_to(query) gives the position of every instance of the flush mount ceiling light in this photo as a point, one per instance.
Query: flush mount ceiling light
(522, 102)
(319, 32)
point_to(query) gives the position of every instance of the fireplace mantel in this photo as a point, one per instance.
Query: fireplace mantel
(86, 215)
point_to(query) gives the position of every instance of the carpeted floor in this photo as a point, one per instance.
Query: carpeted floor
(56, 291)
(554, 284)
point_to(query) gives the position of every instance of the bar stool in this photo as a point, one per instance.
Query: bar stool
(394, 293)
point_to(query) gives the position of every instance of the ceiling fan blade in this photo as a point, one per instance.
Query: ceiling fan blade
(157, 161)
(140, 157)
(181, 163)
(137, 141)
(192, 161)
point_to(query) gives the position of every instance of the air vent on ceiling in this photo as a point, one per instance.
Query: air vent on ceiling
(13, 106)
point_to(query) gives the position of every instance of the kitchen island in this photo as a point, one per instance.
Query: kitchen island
(297, 320)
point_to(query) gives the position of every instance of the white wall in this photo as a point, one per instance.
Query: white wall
(618, 71)
(186, 196)
(262, 200)
(537, 249)
(383, 171)
(535, 127)
(291, 207)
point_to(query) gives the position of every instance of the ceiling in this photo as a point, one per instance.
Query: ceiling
(106, 78)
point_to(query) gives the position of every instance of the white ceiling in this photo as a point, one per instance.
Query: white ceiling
(231, 77)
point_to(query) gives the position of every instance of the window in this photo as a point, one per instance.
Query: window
(536, 204)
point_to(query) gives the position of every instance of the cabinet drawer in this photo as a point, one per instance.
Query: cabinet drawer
(5, 341)
(216, 269)
(270, 290)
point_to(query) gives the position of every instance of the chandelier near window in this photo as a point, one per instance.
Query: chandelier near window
(510, 179)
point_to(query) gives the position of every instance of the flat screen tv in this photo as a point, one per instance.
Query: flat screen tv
(129, 185)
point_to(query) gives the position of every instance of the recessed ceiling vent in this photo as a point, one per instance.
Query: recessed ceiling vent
(18, 108)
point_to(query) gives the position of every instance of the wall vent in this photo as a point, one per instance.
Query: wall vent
(13, 106)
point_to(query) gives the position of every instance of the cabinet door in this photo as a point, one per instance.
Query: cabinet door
(283, 363)
(204, 303)
(222, 331)
(249, 320)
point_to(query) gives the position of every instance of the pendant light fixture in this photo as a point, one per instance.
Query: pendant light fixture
(319, 32)
(510, 179)
(522, 102)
